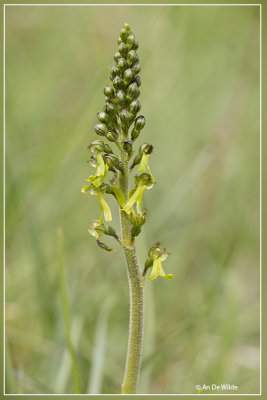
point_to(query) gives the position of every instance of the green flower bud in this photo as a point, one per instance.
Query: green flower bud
(109, 91)
(135, 106)
(136, 230)
(136, 68)
(119, 40)
(135, 45)
(108, 230)
(103, 117)
(127, 145)
(125, 116)
(132, 57)
(138, 80)
(136, 161)
(131, 39)
(100, 129)
(135, 133)
(111, 136)
(122, 64)
(132, 92)
(123, 49)
(118, 83)
(145, 148)
(107, 149)
(127, 27)
(140, 122)
(117, 56)
(113, 161)
(114, 71)
(128, 75)
(124, 34)
(120, 96)
(96, 146)
(138, 221)
(109, 109)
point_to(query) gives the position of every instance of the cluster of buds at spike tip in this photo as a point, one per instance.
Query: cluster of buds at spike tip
(120, 124)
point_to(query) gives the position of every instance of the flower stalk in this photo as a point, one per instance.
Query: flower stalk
(119, 113)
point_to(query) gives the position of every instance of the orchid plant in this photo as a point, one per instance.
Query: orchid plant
(121, 125)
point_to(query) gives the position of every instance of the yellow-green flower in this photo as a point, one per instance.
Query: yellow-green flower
(101, 171)
(145, 152)
(157, 269)
(143, 182)
(98, 192)
(157, 254)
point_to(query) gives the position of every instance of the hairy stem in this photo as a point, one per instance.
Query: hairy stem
(136, 324)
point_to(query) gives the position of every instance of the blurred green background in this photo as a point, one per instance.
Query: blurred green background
(200, 96)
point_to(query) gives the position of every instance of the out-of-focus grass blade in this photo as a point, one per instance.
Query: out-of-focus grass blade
(65, 365)
(66, 313)
(96, 373)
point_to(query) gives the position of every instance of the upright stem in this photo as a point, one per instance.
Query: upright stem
(136, 324)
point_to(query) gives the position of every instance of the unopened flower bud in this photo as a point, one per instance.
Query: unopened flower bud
(113, 161)
(122, 64)
(122, 49)
(127, 145)
(101, 129)
(127, 27)
(135, 133)
(120, 96)
(111, 136)
(118, 83)
(124, 34)
(109, 109)
(131, 39)
(128, 75)
(103, 117)
(109, 91)
(136, 161)
(135, 106)
(140, 122)
(114, 71)
(136, 68)
(96, 146)
(132, 92)
(138, 80)
(125, 116)
(108, 230)
(132, 57)
(135, 45)
(117, 56)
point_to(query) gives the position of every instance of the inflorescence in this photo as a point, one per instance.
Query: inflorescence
(121, 125)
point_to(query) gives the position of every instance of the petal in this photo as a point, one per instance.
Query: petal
(100, 165)
(156, 269)
(169, 276)
(105, 208)
(143, 163)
